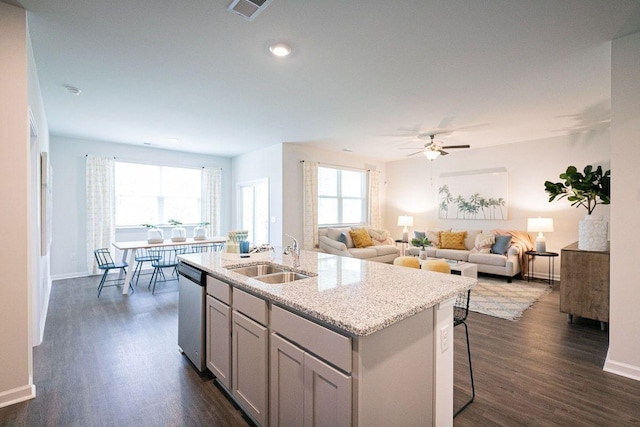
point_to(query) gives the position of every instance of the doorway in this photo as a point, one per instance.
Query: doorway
(254, 210)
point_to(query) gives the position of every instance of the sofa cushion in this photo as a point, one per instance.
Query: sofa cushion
(470, 239)
(501, 245)
(361, 238)
(488, 259)
(453, 240)
(334, 234)
(419, 234)
(483, 243)
(458, 254)
(386, 250)
(380, 237)
(363, 253)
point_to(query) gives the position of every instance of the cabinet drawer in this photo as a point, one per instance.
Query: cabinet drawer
(218, 289)
(325, 343)
(250, 306)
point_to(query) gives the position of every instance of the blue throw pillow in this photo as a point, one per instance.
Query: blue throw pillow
(501, 245)
(419, 234)
(342, 238)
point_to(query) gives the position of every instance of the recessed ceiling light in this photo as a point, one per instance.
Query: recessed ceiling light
(347, 150)
(173, 140)
(72, 89)
(280, 49)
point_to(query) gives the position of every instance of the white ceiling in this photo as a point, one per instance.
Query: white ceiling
(499, 71)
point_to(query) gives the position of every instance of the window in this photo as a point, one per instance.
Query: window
(341, 196)
(254, 210)
(150, 194)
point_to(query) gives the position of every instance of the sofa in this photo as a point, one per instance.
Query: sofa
(338, 241)
(500, 252)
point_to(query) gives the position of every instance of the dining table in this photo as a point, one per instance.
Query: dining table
(129, 252)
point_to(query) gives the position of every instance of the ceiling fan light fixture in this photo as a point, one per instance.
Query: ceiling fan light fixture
(431, 154)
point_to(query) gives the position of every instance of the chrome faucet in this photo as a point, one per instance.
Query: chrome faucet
(294, 251)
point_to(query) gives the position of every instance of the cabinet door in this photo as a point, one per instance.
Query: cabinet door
(327, 394)
(219, 341)
(249, 366)
(286, 378)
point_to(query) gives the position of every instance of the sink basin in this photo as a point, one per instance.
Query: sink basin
(282, 277)
(258, 270)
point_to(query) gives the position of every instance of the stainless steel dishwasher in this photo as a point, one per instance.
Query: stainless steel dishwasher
(191, 314)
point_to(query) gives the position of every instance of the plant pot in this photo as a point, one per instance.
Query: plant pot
(199, 233)
(422, 254)
(155, 235)
(178, 234)
(592, 233)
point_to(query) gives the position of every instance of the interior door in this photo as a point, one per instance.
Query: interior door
(254, 210)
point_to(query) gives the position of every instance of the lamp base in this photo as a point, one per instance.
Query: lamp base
(405, 234)
(541, 243)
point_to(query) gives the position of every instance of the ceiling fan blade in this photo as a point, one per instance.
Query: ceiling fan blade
(456, 146)
(444, 153)
(413, 154)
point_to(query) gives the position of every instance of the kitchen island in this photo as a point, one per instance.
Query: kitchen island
(355, 343)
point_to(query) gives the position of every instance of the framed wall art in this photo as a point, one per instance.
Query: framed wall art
(479, 194)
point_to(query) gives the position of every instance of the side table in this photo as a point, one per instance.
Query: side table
(402, 246)
(551, 266)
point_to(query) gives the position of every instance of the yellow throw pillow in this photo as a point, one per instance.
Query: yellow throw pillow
(452, 239)
(361, 238)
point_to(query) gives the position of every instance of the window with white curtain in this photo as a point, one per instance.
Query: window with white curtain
(342, 196)
(152, 194)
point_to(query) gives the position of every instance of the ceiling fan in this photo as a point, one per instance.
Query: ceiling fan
(433, 149)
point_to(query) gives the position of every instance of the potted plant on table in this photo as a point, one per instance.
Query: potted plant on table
(421, 242)
(154, 234)
(200, 232)
(178, 234)
(588, 189)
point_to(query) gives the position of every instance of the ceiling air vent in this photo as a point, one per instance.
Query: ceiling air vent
(248, 9)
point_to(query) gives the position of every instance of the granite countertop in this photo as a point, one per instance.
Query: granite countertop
(356, 296)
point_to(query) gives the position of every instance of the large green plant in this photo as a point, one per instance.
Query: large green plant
(588, 189)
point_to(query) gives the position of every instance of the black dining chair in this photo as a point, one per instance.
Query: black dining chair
(166, 257)
(460, 313)
(106, 263)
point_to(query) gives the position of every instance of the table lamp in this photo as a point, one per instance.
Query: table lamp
(406, 221)
(540, 225)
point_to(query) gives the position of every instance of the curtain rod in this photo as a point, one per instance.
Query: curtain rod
(86, 155)
(342, 167)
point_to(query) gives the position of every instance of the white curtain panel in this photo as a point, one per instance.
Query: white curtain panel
(374, 199)
(211, 196)
(101, 230)
(310, 200)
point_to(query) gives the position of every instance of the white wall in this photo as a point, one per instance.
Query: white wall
(68, 160)
(261, 164)
(16, 368)
(40, 269)
(624, 345)
(292, 180)
(412, 191)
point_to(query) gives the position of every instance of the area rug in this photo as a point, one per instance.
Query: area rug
(498, 298)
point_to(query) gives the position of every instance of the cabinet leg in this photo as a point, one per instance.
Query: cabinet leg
(570, 318)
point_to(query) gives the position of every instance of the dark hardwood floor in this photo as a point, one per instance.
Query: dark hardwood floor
(114, 361)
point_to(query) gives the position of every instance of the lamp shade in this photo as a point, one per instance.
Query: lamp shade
(405, 221)
(540, 225)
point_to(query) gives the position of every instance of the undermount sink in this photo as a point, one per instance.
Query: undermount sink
(258, 270)
(269, 273)
(282, 277)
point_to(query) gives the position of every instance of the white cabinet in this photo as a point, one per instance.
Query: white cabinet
(219, 340)
(304, 390)
(249, 367)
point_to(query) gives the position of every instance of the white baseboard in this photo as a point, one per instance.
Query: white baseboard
(17, 395)
(70, 276)
(622, 369)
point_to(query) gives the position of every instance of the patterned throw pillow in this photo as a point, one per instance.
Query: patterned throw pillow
(379, 237)
(483, 244)
(452, 239)
(361, 238)
(434, 238)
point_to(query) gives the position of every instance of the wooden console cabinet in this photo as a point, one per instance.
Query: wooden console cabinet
(584, 283)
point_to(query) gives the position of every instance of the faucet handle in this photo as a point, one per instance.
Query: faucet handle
(295, 242)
